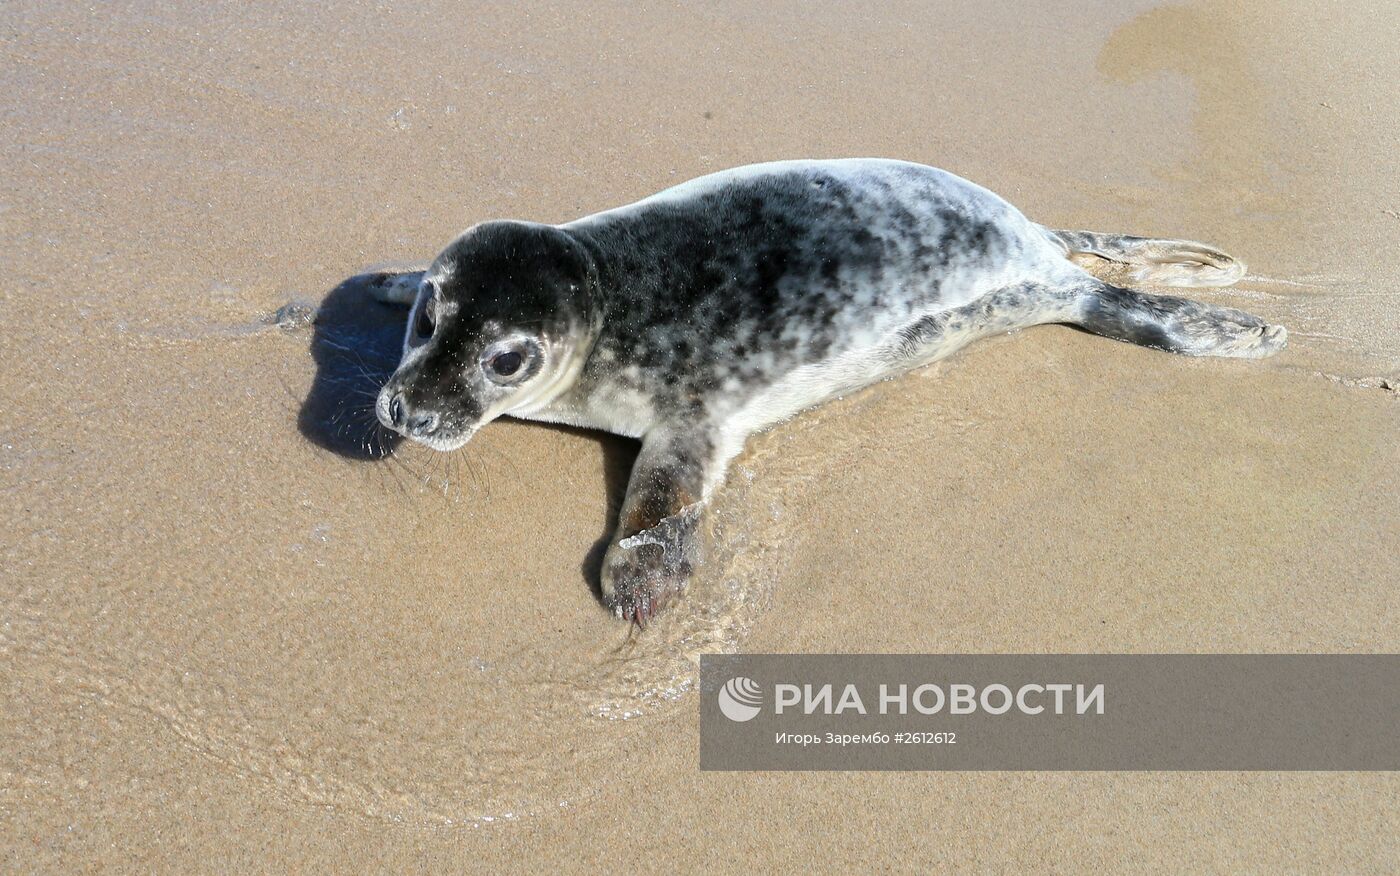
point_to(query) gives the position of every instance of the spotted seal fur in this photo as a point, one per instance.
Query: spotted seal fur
(709, 311)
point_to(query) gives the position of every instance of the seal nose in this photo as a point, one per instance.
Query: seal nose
(423, 424)
(396, 415)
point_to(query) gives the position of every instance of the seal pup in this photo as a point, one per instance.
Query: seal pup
(702, 314)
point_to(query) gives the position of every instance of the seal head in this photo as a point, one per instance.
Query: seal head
(503, 321)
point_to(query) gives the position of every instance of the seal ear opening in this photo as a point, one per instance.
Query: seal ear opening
(580, 271)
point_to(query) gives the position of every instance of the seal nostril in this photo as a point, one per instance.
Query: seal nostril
(423, 424)
(396, 410)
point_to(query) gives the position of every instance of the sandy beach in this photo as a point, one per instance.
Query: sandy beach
(235, 634)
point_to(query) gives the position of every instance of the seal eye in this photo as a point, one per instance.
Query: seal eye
(507, 363)
(427, 319)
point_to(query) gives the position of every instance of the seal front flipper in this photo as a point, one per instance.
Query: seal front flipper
(658, 543)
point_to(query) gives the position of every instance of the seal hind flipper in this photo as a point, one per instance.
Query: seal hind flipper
(1183, 263)
(1177, 325)
(1164, 322)
(396, 289)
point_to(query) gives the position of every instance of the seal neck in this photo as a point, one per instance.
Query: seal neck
(591, 306)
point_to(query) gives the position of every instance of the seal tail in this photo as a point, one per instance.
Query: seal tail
(1154, 260)
(1177, 325)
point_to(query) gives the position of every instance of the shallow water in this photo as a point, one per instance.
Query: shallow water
(450, 734)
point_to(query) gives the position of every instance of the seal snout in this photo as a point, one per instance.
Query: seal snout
(396, 413)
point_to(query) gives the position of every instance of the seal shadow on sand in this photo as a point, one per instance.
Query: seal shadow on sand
(355, 344)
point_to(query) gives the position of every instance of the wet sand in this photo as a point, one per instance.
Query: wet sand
(232, 634)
